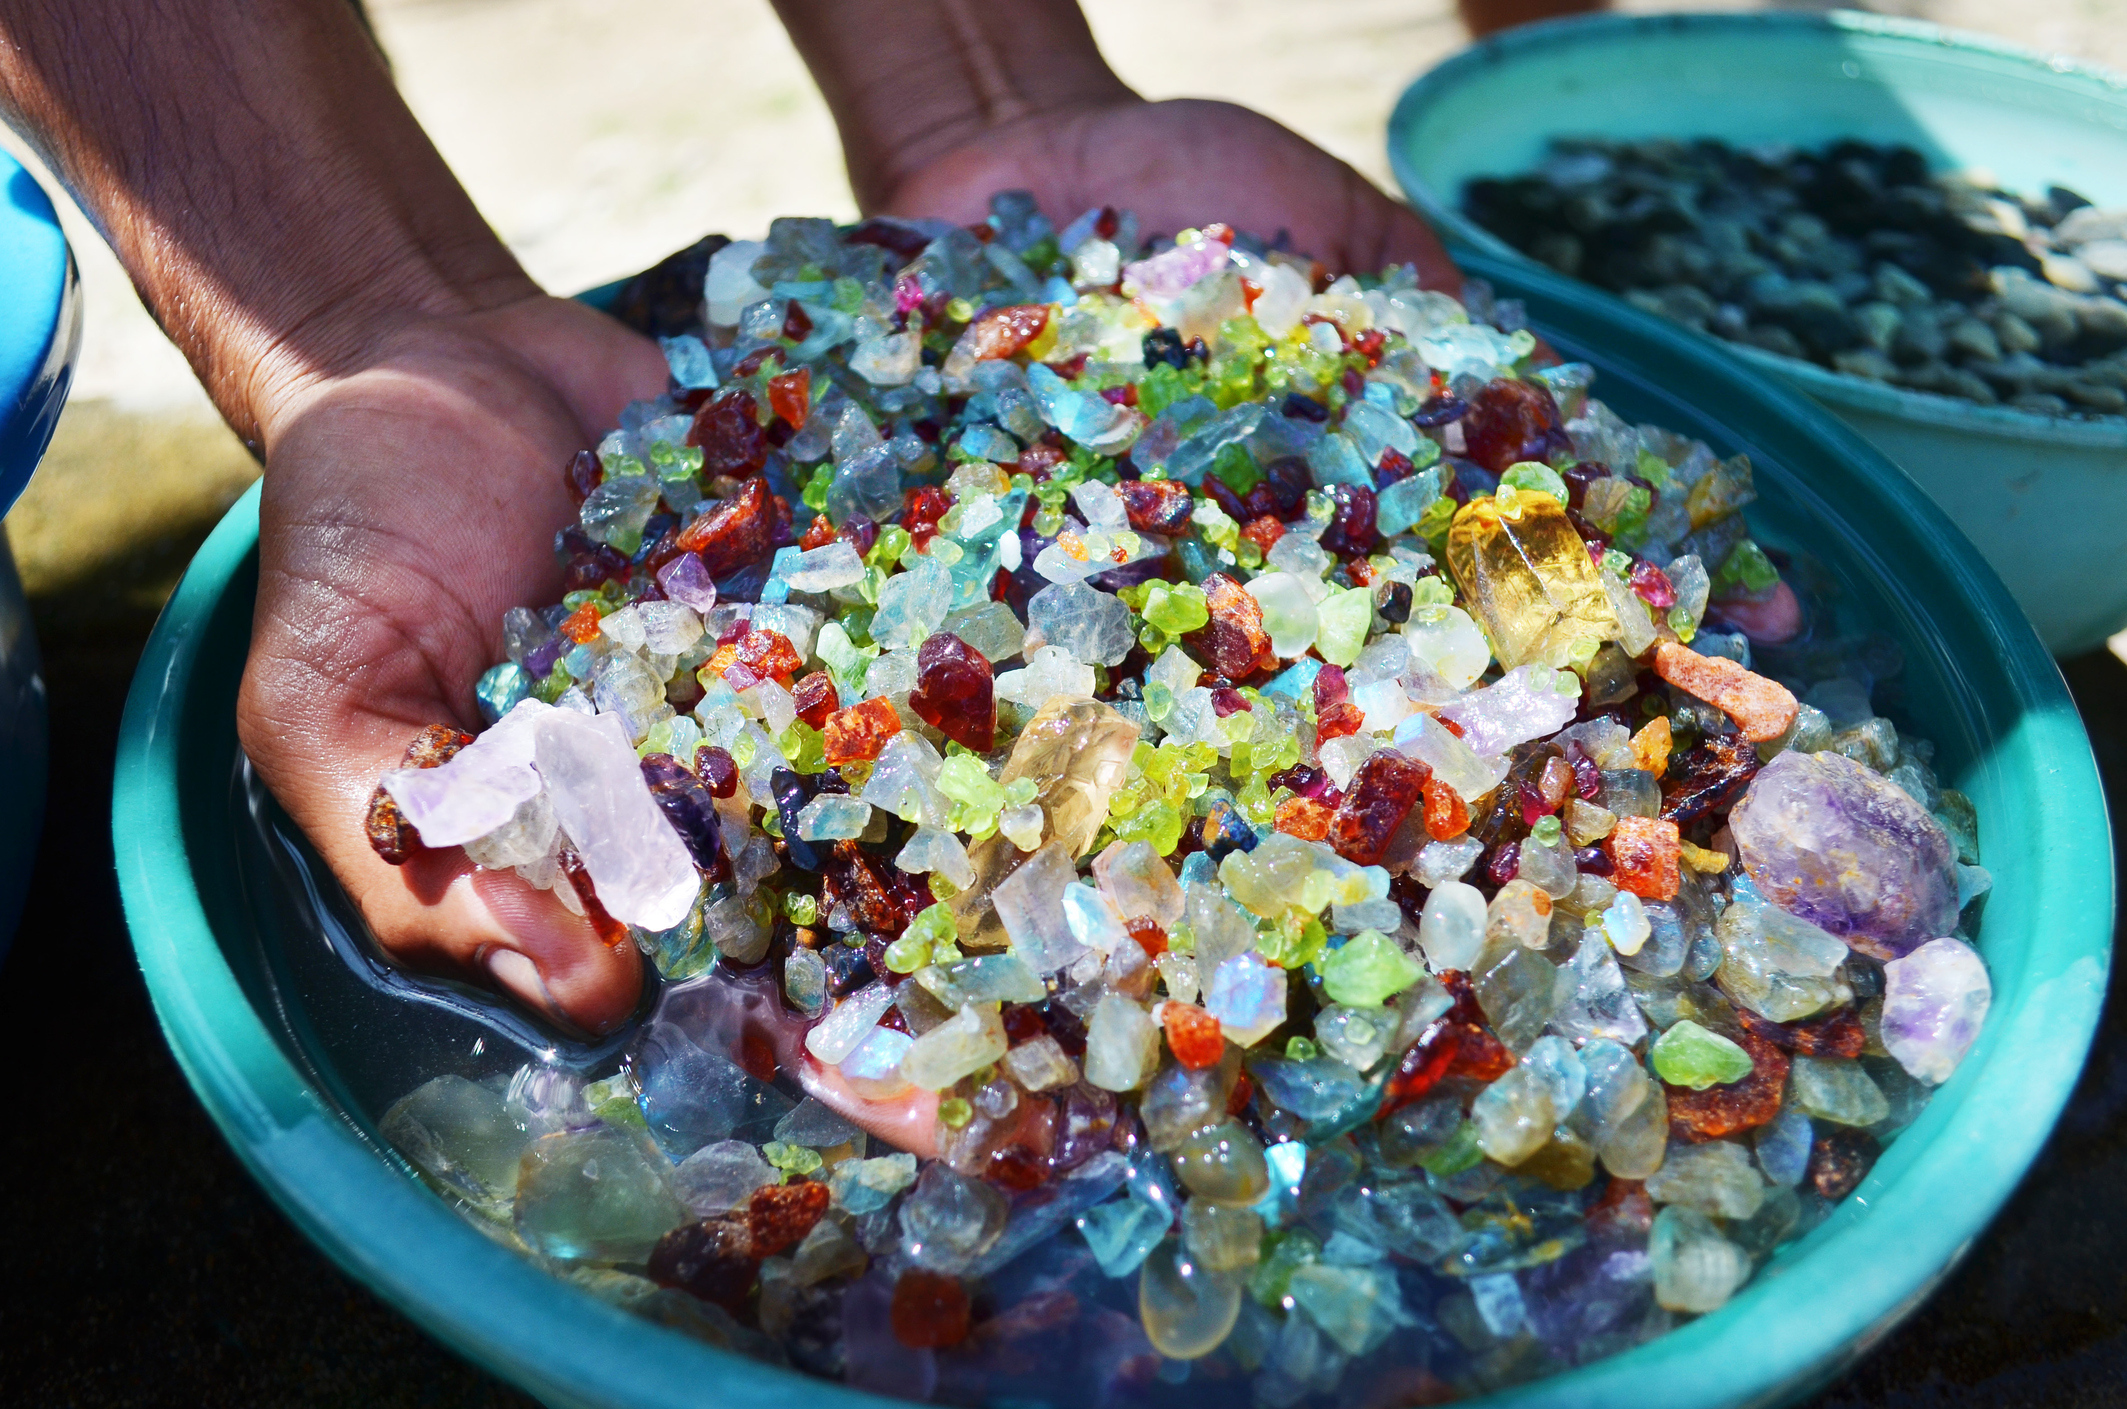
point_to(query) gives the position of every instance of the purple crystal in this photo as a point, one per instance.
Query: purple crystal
(1934, 1000)
(686, 581)
(1848, 850)
(1088, 1126)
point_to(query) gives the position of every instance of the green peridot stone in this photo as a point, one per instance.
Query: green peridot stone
(1175, 610)
(1460, 1153)
(1689, 1055)
(1533, 474)
(791, 1159)
(963, 779)
(1545, 831)
(1344, 618)
(1301, 1049)
(804, 746)
(802, 909)
(1367, 971)
(954, 1111)
(907, 954)
(933, 925)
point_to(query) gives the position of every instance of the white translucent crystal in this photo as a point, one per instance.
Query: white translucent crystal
(903, 781)
(669, 628)
(1040, 1064)
(1030, 906)
(913, 604)
(1696, 1270)
(1122, 1045)
(1442, 861)
(1288, 612)
(1451, 928)
(1625, 923)
(729, 288)
(1526, 703)
(1094, 626)
(1447, 640)
(966, 1042)
(830, 817)
(1247, 996)
(642, 870)
(1049, 672)
(1092, 917)
(1452, 760)
(1022, 826)
(934, 850)
(826, 568)
(1717, 1179)
(624, 628)
(481, 787)
(1514, 1116)
(1934, 1000)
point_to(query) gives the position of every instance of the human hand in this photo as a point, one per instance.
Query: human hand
(409, 501)
(1177, 164)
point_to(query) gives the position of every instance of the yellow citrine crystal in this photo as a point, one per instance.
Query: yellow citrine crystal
(1077, 752)
(1526, 576)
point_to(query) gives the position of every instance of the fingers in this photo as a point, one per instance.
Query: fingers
(406, 509)
(1181, 164)
(907, 1122)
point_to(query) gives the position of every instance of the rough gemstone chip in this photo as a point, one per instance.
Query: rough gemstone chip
(860, 731)
(739, 531)
(1234, 642)
(390, 835)
(1708, 1114)
(728, 430)
(1763, 709)
(955, 692)
(1848, 850)
(1645, 854)
(1368, 825)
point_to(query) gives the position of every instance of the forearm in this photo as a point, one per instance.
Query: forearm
(909, 80)
(275, 203)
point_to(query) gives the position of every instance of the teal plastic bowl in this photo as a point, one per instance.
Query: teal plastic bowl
(2044, 498)
(40, 334)
(1976, 680)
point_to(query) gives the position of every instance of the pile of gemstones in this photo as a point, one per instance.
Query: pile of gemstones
(1853, 256)
(1198, 822)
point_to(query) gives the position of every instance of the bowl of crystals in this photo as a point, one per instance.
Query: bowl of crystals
(1179, 859)
(1922, 230)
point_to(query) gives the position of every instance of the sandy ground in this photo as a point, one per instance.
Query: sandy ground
(598, 135)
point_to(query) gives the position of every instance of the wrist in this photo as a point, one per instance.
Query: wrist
(910, 82)
(276, 205)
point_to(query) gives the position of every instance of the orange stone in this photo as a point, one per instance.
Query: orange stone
(1193, 1035)
(1763, 709)
(1263, 531)
(581, 625)
(1646, 853)
(860, 731)
(790, 396)
(1651, 745)
(929, 1310)
(1447, 816)
(1304, 817)
(819, 535)
(1697, 1116)
(1004, 331)
(1339, 720)
(1148, 934)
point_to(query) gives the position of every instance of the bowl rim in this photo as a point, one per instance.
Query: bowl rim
(1947, 413)
(566, 1347)
(40, 325)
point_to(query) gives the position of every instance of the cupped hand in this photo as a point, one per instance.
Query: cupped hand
(1178, 164)
(407, 505)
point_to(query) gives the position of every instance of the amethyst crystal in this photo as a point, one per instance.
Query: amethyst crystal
(1848, 850)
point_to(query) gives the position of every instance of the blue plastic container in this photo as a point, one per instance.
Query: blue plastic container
(1978, 682)
(40, 333)
(2045, 499)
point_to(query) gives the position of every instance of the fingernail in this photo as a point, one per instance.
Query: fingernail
(519, 976)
